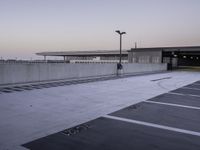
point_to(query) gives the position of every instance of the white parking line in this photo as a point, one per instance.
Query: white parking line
(171, 104)
(183, 94)
(190, 88)
(154, 125)
(173, 93)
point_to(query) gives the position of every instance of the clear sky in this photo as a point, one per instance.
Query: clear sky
(29, 26)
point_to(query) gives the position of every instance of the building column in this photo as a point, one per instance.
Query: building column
(44, 57)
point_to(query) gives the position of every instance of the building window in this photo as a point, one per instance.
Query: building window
(143, 59)
(156, 59)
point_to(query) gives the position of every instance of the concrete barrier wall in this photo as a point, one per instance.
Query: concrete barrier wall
(23, 73)
(139, 68)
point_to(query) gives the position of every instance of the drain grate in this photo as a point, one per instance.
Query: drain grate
(44, 85)
(26, 88)
(161, 79)
(7, 88)
(6, 91)
(49, 85)
(17, 88)
(37, 87)
(75, 130)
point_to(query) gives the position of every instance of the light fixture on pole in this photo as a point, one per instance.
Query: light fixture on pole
(119, 66)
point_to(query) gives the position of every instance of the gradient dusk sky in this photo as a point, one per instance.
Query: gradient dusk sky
(30, 26)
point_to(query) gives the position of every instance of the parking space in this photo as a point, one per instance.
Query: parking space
(110, 134)
(194, 86)
(174, 98)
(166, 122)
(172, 116)
(187, 91)
(197, 82)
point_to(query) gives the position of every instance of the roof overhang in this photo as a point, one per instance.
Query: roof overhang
(168, 49)
(83, 53)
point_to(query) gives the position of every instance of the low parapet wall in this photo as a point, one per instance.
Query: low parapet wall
(23, 73)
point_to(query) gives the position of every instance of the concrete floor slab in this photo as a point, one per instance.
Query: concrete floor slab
(28, 115)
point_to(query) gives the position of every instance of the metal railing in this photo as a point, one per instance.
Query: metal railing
(31, 61)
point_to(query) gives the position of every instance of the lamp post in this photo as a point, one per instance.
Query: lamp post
(119, 66)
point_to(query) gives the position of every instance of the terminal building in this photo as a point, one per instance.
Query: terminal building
(101, 56)
(175, 56)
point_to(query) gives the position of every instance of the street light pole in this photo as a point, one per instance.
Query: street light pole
(120, 54)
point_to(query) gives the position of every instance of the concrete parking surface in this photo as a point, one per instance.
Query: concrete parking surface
(158, 111)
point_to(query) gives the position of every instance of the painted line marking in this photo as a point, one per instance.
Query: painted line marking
(183, 94)
(154, 125)
(173, 93)
(171, 104)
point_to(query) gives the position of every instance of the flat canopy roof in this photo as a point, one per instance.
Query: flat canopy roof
(84, 53)
(168, 49)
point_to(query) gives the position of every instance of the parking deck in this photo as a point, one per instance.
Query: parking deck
(169, 121)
